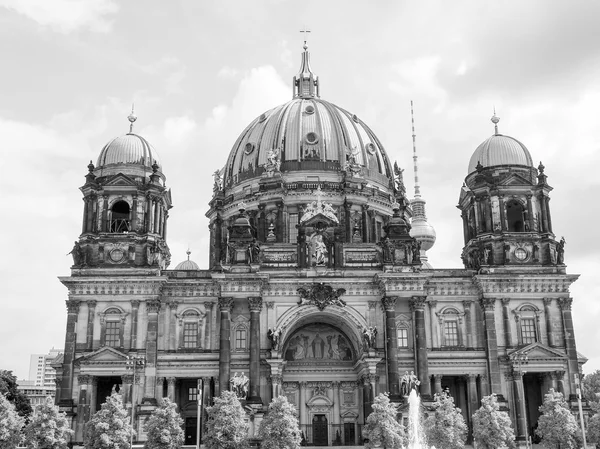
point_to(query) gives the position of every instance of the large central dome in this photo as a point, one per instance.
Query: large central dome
(309, 134)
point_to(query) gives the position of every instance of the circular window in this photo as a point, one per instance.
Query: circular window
(312, 138)
(521, 254)
(249, 148)
(309, 109)
(355, 118)
(262, 117)
(117, 255)
(370, 148)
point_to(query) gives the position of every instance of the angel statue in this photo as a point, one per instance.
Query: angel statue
(218, 181)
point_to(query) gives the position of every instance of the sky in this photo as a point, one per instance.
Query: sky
(200, 71)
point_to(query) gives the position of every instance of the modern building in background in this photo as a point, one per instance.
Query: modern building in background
(42, 377)
(318, 286)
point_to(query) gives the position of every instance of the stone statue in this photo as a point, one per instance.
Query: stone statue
(370, 336)
(408, 383)
(218, 181)
(273, 162)
(560, 251)
(254, 251)
(78, 255)
(320, 251)
(399, 178)
(273, 336)
(239, 385)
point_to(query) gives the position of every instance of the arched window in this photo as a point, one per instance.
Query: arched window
(241, 338)
(120, 219)
(527, 317)
(450, 321)
(514, 216)
(112, 323)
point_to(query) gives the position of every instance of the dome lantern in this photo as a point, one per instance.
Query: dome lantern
(306, 83)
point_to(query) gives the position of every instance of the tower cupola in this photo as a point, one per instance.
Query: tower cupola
(306, 83)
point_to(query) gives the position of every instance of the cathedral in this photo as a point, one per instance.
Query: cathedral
(319, 286)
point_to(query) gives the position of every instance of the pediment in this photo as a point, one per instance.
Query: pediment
(515, 180)
(349, 415)
(102, 355)
(320, 221)
(539, 351)
(319, 400)
(120, 179)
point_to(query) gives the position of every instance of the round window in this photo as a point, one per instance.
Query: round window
(312, 138)
(249, 148)
(521, 254)
(262, 117)
(370, 148)
(309, 109)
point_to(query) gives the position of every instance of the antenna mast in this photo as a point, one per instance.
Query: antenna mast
(415, 157)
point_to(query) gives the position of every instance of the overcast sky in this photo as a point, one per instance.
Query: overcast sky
(200, 71)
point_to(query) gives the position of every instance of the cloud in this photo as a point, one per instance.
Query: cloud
(178, 129)
(66, 16)
(227, 72)
(419, 77)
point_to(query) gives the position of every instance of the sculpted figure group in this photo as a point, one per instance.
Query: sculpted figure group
(408, 383)
(239, 385)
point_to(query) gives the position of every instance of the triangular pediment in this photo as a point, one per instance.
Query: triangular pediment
(515, 180)
(319, 400)
(120, 180)
(538, 351)
(102, 355)
(320, 221)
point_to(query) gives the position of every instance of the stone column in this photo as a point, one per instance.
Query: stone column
(506, 320)
(544, 224)
(567, 319)
(502, 212)
(473, 399)
(491, 345)
(86, 214)
(160, 383)
(208, 306)
(485, 385)
(93, 395)
(225, 307)
(66, 385)
(255, 305)
(478, 217)
(336, 403)
(417, 303)
(276, 381)
(302, 408)
(89, 338)
(367, 396)
(135, 307)
(519, 398)
(83, 407)
(530, 213)
(549, 335)
(104, 226)
(548, 213)
(468, 322)
(127, 387)
(432, 314)
(152, 309)
(171, 388)
(172, 318)
(134, 215)
(389, 304)
(437, 379)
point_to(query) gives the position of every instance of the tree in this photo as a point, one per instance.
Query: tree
(10, 424)
(591, 389)
(164, 427)
(226, 426)
(557, 426)
(445, 427)
(279, 428)
(110, 426)
(492, 429)
(382, 427)
(593, 429)
(8, 387)
(48, 428)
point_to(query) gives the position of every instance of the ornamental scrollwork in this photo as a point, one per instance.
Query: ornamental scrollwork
(321, 295)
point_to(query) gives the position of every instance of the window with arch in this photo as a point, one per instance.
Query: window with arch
(515, 216)
(112, 322)
(527, 317)
(241, 338)
(450, 323)
(240, 332)
(190, 329)
(120, 217)
(402, 333)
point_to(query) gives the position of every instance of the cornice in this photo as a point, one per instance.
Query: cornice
(487, 284)
(115, 286)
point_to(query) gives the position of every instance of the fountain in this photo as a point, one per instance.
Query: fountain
(416, 437)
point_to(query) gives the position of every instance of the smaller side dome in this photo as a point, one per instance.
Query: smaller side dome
(187, 265)
(128, 149)
(500, 150)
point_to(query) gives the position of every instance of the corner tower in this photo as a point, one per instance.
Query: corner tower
(505, 208)
(126, 204)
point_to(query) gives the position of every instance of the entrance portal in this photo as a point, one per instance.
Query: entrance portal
(320, 437)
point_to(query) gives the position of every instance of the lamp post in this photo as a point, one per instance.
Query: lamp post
(578, 385)
(519, 360)
(133, 361)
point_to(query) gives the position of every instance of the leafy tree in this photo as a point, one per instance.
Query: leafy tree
(110, 427)
(382, 427)
(591, 388)
(8, 387)
(445, 427)
(593, 429)
(10, 424)
(557, 426)
(492, 429)
(226, 426)
(48, 428)
(279, 428)
(164, 427)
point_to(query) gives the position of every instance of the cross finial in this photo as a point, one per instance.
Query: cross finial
(305, 31)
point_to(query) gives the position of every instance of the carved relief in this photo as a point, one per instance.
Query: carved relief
(321, 295)
(318, 342)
